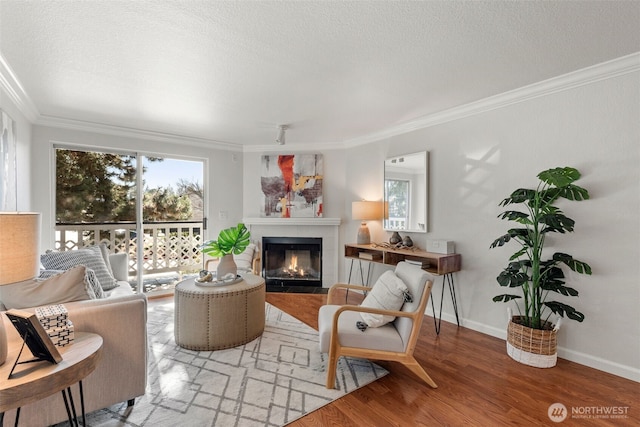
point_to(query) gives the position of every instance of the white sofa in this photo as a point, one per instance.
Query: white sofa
(120, 319)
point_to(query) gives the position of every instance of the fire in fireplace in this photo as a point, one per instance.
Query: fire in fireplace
(292, 261)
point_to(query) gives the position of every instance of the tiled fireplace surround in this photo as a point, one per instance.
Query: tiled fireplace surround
(326, 228)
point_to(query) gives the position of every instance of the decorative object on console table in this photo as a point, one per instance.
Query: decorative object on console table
(441, 246)
(365, 211)
(535, 276)
(233, 240)
(395, 238)
(19, 260)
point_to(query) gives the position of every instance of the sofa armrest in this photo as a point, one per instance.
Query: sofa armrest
(120, 266)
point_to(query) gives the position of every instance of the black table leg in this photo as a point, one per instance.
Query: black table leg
(447, 280)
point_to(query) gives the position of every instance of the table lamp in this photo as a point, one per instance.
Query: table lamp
(19, 255)
(365, 211)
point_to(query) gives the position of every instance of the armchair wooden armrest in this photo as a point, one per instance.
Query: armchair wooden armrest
(331, 294)
(396, 313)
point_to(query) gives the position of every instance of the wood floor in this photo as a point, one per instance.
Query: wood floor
(478, 384)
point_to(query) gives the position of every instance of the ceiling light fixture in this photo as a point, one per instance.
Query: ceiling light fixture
(280, 137)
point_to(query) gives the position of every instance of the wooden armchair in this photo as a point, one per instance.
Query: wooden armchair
(395, 341)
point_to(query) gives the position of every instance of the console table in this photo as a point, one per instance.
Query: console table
(438, 264)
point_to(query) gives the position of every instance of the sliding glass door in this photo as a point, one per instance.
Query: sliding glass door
(157, 217)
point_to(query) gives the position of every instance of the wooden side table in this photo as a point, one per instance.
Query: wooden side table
(34, 381)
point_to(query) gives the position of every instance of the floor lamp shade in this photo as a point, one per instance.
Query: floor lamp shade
(19, 254)
(365, 211)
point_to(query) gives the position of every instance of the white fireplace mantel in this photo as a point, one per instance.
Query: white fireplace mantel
(326, 228)
(292, 221)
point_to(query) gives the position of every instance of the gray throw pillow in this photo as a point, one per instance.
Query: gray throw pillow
(90, 258)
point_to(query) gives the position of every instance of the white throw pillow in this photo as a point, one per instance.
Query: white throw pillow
(70, 285)
(388, 293)
(244, 261)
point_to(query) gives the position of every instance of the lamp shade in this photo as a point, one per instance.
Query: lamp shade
(365, 210)
(19, 246)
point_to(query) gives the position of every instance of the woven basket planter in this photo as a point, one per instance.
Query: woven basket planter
(533, 347)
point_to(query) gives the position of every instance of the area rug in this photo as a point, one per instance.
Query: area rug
(270, 381)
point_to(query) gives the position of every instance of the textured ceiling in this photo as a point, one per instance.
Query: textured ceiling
(333, 71)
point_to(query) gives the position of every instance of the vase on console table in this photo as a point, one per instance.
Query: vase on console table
(395, 238)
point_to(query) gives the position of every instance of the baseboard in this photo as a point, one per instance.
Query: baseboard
(594, 362)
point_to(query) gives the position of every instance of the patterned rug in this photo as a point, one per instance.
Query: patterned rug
(270, 381)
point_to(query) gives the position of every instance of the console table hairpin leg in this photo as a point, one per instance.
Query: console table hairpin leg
(361, 275)
(361, 272)
(447, 279)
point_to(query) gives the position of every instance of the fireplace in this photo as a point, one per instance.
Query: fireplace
(292, 261)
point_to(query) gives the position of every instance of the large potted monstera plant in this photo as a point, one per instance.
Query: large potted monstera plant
(531, 335)
(233, 240)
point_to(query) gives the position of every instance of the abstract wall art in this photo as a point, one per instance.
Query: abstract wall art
(292, 185)
(8, 172)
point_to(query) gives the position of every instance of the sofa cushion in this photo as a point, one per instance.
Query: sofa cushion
(90, 277)
(90, 257)
(70, 285)
(388, 293)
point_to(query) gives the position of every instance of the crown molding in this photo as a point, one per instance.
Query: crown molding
(606, 70)
(11, 85)
(290, 148)
(80, 125)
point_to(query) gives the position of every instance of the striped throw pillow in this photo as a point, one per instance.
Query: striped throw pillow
(89, 258)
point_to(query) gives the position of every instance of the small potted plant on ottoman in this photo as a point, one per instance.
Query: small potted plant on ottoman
(233, 240)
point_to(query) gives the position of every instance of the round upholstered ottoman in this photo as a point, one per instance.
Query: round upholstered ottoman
(219, 317)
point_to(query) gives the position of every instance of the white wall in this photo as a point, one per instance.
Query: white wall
(23, 151)
(223, 172)
(477, 161)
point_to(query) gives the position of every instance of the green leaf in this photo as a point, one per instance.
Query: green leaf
(512, 278)
(562, 309)
(519, 196)
(505, 298)
(574, 264)
(559, 177)
(557, 222)
(233, 240)
(500, 241)
(517, 216)
(573, 192)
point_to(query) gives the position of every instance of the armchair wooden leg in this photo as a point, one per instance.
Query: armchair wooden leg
(332, 365)
(415, 367)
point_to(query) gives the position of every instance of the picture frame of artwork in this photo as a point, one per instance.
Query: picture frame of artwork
(291, 185)
(8, 168)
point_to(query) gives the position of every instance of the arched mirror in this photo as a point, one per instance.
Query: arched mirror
(405, 193)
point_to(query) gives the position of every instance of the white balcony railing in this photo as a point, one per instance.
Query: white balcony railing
(167, 246)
